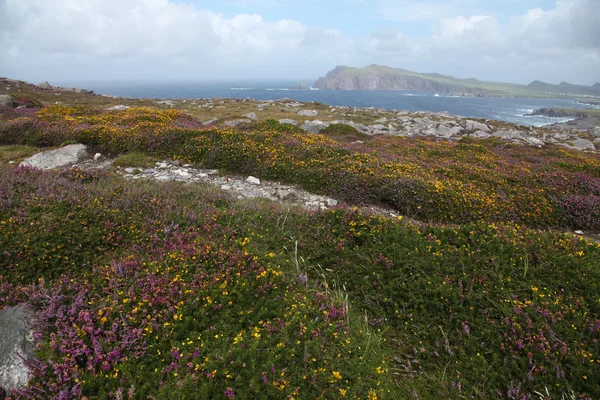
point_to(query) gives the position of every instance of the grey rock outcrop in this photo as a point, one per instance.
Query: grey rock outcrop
(45, 85)
(288, 121)
(63, 157)
(314, 126)
(235, 122)
(16, 347)
(581, 144)
(308, 113)
(476, 126)
(117, 108)
(6, 100)
(251, 116)
(595, 132)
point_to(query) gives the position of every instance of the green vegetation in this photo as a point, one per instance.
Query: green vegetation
(135, 160)
(165, 290)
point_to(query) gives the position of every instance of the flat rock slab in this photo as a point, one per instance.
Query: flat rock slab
(16, 347)
(63, 157)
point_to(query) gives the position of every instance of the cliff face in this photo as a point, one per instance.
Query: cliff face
(383, 78)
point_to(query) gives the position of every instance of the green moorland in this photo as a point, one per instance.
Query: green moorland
(164, 290)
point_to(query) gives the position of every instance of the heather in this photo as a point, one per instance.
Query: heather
(436, 181)
(164, 290)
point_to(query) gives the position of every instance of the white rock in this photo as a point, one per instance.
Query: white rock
(58, 158)
(308, 113)
(117, 108)
(332, 203)
(97, 156)
(288, 121)
(16, 347)
(6, 100)
(225, 187)
(580, 233)
(381, 120)
(12, 162)
(251, 116)
(252, 180)
(314, 126)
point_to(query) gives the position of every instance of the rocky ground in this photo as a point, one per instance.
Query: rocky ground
(581, 134)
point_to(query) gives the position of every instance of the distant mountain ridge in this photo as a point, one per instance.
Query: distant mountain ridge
(377, 77)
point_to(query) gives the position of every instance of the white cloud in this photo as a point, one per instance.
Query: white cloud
(81, 39)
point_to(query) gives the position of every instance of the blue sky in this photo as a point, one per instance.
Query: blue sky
(503, 40)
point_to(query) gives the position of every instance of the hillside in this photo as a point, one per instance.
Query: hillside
(375, 77)
(438, 266)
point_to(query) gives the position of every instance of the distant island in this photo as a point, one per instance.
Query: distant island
(377, 77)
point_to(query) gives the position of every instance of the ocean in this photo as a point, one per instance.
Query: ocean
(498, 108)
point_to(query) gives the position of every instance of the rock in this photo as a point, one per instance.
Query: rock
(210, 121)
(332, 203)
(253, 181)
(16, 347)
(580, 233)
(117, 108)
(45, 85)
(314, 126)
(582, 144)
(288, 121)
(168, 103)
(163, 165)
(12, 162)
(6, 100)
(252, 116)
(308, 113)
(381, 120)
(225, 187)
(235, 122)
(62, 157)
(97, 156)
(481, 135)
(476, 126)
(286, 195)
(594, 132)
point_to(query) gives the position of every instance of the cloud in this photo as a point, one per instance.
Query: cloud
(135, 39)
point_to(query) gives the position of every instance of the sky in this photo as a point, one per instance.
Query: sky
(177, 40)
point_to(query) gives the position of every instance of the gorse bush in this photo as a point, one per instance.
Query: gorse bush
(437, 181)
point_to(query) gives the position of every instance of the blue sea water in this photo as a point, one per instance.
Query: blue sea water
(505, 109)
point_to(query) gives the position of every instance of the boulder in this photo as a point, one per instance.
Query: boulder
(251, 116)
(476, 126)
(6, 100)
(210, 121)
(481, 135)
(253, 181)
(288, 121)
(235, 122)
(595, 131)
(63, 157)
(381, 120)
(16, 347)
(308, 113)
(117, 108)
(582, 144)
(45, 85)
(314, 126)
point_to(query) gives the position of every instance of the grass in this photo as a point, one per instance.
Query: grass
(163, 290)
(135, 160)
(16, 153)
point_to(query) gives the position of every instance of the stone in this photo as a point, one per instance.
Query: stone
(167, 103)
(288, 121)
(594, 132)
(252, 180)
(6, 100)
(332, 202)
(63, 157)
(476, 126)
(580, 233)
(252, 116)
(45, 85)
(97, 156)
(16, 347)
(226, 187)
(381, 120)
(235, 122)
(314, 126)
(481, 135)
(582, 144)
(210, 121)
(308, 113)
(120, 107)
